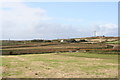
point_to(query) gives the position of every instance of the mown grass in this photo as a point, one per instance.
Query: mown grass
(60, 65)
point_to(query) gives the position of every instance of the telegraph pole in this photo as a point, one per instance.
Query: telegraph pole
(9, 40)
(95, 34)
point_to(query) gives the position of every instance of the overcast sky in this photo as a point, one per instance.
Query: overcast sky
(55, 20)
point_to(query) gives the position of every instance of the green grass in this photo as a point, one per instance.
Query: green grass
(60, 65)
(114, 42)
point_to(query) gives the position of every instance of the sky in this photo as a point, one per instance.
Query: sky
(58, 20)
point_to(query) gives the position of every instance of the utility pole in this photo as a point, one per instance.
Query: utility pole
(9, 40)
(94, 33)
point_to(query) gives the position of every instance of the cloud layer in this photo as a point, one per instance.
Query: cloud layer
(20, 21)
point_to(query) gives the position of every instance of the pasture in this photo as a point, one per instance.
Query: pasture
(60, 65)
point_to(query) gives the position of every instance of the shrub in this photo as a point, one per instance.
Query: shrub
(36, 40)
(71, 40)
(82, 40)
(47, 41)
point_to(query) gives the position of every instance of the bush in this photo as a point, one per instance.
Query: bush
(36, 40)
(47, 41)
(71, 40)
(82, 40)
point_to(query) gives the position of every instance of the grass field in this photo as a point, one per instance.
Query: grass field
(60, 65)
(114, 42)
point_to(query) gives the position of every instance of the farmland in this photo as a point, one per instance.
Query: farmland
(60, 65)
(55, 59)
(114, 42)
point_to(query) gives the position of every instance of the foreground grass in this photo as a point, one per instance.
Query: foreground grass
(60, 65)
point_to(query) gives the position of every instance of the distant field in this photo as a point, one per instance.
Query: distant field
(53, 47)
(114, 42)
(60, 65)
